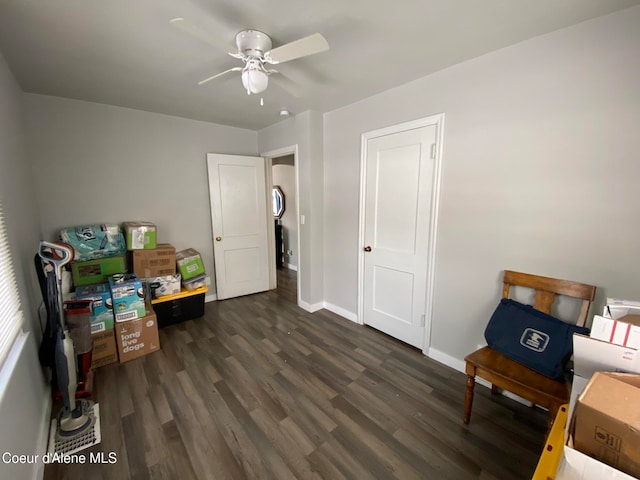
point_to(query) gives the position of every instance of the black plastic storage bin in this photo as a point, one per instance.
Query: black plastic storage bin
(180, 307)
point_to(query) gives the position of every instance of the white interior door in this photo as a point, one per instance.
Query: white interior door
(237, 191)
(399, 173)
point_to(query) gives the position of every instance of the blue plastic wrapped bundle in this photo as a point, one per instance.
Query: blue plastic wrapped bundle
(90, 242)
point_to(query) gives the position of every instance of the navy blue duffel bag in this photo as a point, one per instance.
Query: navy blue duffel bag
(541, 342)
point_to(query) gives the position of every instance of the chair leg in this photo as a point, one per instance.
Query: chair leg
(494, 389)
(468, 398)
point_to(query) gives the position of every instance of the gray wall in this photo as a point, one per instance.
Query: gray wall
(24, 396)
(540, 173)
(306, 131)
(95, 163)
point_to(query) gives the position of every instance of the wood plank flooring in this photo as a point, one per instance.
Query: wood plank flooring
(260, 389)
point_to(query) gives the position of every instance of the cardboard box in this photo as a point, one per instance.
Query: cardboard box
(136, 338)
(140, 235)
(97, 271)
(618, 308)
(104, 348)
(590, 356)
(607, 418)
(625, 331)
(166, 285)
(127, 296)
(159, 262)
(189, 263)
(100, 296)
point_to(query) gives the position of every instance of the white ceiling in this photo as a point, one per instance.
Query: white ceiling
(126, 53)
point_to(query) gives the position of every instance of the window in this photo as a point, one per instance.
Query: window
(10, 315)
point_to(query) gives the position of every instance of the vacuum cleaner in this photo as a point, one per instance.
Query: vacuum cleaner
(74, 428)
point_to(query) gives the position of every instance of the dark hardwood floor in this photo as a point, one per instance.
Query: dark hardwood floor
(260, 389)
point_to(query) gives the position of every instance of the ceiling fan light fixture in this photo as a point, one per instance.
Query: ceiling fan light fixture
(254, 79)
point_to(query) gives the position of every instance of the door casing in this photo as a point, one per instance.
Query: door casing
(280, 152)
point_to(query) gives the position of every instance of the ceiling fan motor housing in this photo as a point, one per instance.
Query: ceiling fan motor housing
(253, 43)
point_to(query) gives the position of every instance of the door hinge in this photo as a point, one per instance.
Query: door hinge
(422, 319)
(433, 151)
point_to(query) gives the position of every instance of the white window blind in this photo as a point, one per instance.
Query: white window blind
(10, 315)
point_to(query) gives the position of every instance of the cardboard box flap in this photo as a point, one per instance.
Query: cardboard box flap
(618, 309)
(578, 466)
(623, 313)
(621, 301)
(633, 319)
(631, 379)
(611, 389)
(591, 355)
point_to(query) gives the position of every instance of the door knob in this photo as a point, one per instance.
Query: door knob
(367, 248)
(218, 239)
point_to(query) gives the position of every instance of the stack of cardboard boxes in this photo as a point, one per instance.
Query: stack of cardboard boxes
(102, 323)
(188, 302)
(123, 325)
(122, 271)
(603, 434)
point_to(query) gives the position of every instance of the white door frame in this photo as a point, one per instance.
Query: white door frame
(281, 152)
(438, 121)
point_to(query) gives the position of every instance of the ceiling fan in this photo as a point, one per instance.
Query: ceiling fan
(256, 52)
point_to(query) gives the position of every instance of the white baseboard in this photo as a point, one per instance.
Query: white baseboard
(290, 266)
(329, 306)
(459, 365)
(446, 359)
(518, 399)
(341, 311)
(310, 307)
(212, 297)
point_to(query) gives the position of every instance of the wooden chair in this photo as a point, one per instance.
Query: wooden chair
(512, 376)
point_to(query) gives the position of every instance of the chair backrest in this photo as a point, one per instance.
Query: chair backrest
(546, 290)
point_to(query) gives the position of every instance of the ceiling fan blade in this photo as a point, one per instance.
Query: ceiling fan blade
(302, 47)
(234, 69)
(199, 33)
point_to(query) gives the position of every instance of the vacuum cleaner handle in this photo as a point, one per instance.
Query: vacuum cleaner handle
(57, 254)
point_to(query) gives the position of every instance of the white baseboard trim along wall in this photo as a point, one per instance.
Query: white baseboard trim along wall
(341, 311)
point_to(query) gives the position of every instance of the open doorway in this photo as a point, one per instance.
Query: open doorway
(284, 200)
(283, 175)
